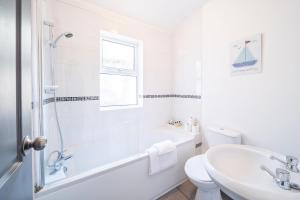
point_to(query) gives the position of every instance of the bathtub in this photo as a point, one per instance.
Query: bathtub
(127, 179)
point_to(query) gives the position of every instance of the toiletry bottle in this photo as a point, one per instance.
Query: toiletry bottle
(195, 126)
(190, 124)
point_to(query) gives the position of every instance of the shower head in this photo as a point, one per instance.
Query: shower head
(66, 35)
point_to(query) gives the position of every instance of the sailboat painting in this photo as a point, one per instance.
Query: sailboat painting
(246, 55)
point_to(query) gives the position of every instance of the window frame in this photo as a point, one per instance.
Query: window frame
(136, 72)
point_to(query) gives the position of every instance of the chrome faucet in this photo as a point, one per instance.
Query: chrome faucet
(291, 163)
(282, 178)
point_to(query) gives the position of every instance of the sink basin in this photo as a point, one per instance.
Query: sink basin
(237, 168)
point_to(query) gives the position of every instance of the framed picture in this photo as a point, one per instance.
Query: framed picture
(246, 56)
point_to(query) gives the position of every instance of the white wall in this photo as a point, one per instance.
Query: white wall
(265, 107)
(187, 68)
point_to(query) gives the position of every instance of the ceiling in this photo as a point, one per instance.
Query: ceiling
(165, 14)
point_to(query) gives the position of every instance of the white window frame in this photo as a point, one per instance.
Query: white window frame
(136, 72)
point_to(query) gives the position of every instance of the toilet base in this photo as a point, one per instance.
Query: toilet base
(214, 194)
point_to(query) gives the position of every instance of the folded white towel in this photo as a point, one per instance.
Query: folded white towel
(164, 147)
(153, 160)
(161, 162)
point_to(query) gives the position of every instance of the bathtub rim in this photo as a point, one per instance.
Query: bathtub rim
(98, 171)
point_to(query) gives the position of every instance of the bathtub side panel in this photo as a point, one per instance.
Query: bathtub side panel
(130, 182)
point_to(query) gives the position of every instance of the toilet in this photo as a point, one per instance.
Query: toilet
(195, 166)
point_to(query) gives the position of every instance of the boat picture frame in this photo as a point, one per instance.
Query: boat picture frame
(246, 55)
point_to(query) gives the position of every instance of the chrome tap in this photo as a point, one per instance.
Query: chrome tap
(58, 164)
(291, 163)
(66, 157)
(282, 178)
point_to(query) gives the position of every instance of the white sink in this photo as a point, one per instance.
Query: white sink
(238, 169)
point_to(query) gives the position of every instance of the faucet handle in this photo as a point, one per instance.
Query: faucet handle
(292, 163)
(282, 177)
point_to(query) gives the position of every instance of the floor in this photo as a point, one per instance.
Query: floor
(185, 191)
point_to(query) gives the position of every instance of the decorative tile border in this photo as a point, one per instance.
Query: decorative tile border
(84, 98)
(65, 99)
(172, 96)
(49, 100)
(95, 98)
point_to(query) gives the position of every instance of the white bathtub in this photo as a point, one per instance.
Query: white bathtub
(127, 179)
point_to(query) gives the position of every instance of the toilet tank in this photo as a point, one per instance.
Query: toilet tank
(217, 136)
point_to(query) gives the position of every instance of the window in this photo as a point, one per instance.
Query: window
(120, 72)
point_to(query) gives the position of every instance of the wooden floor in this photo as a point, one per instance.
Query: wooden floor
(185, 191)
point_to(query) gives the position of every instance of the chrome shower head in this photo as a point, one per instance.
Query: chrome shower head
(66, 35)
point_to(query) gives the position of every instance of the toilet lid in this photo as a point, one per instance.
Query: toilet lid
(195, 169)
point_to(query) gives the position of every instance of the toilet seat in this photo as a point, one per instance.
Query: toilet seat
(195, 169)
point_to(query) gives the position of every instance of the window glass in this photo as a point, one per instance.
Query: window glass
(118, 90)
(115, 55)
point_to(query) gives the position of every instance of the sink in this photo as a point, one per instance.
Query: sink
(237, 168)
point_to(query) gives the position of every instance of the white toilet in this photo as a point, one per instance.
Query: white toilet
(195, 166)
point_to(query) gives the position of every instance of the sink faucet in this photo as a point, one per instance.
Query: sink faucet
(291, 163)
(282, 178)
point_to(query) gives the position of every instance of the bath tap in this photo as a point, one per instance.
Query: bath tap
(291, 163)
(64, 157)
(59, 164)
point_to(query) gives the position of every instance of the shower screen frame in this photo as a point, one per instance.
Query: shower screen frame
(38, 87)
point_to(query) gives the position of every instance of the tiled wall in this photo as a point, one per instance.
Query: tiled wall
(187, 68)
(76, 73)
